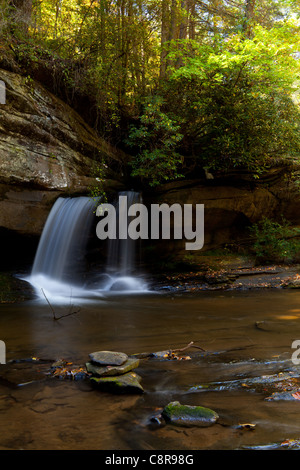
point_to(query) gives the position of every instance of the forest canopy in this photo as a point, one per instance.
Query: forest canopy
(182, 86)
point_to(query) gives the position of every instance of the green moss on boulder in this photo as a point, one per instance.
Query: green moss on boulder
(186, 415)
(127, 383)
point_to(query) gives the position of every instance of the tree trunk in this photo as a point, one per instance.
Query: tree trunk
(249, 17)
(184, 21)
(191, 22)
(21, 11)
(164, 36)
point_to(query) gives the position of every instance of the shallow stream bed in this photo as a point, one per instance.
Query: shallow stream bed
(244, 335)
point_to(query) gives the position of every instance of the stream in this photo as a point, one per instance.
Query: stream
(243, 336)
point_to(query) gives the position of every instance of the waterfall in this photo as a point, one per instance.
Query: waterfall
(57, 270)
(122, 253)
(59, 260)
(64, 238)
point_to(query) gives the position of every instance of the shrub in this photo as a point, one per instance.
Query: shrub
(155, 140)
(274, 241)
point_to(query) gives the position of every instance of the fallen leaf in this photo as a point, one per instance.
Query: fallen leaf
(247, 426)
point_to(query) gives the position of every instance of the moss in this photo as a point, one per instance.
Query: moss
(186, 415)
(127, 383)
(11, 289)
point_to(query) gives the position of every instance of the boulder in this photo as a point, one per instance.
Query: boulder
(127, 383)
(187, 415)
(108, 358)
(110, 370)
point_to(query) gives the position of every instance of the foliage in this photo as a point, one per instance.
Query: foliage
(274, 241)
(236, 102)
(217, 78)
(156, 139)
(97, 190)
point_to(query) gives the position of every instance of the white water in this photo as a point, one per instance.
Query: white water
(58, 267)
(63, 241)
(122, 254)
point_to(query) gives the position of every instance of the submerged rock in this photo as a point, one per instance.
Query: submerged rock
(287, 444)
(119, 286)
(187, 415)
(108, 358)
(293, 284)
(127, 383)
(281, 382)
(106, 371)
(277, 396)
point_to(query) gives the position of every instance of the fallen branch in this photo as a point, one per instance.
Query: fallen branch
(191, 344)
(168, 352)
(61, 316)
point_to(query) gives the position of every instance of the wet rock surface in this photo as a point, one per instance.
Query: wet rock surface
(108, 358)
(109, 370)
(230, 277)
(281, 386)
(112, 371)
(121, 384)
(187, 415)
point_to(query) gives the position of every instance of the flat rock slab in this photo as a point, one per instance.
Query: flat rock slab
(108, 358)
(107, 371)
(127, 383)
(186, 415)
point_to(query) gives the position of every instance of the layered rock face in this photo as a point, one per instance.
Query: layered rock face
(46, 150)
(231, 205)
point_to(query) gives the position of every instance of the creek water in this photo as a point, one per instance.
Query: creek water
(240, 335)
(244, 335)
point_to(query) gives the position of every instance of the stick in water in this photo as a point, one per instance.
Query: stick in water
(53, 312)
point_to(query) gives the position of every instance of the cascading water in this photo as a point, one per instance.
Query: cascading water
(57, 268)
(122, 253)
(61, 249)
(64, 237)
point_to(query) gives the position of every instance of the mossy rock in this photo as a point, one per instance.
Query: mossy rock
(106, 371)
(127, 383)
(186, 415)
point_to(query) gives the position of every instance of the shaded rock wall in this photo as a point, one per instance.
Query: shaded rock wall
(46, 150)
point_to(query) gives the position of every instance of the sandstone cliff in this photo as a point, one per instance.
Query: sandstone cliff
(46, 150)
